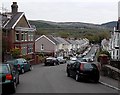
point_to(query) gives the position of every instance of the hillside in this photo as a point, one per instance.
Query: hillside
(94, 32)
(48, 24)
(110, 25)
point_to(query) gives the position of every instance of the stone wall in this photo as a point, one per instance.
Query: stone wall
(115, 63)
(110, 71)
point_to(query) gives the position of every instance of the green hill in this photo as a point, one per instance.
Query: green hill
(94, 32)
(110, 25)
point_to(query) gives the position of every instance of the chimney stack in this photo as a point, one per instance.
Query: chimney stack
(14, 7)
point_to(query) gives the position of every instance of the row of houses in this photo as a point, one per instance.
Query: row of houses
(17, 32)
(113, 44)
(59, 46)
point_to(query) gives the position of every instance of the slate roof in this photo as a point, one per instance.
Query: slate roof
(72, 42)
(53, 39)
(61, 40)
(11, 21)
(56, 40)
(77, 42)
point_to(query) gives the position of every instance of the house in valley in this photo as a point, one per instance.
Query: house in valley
(46, 44)
(56, 46)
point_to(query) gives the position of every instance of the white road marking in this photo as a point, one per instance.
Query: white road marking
(109, 85)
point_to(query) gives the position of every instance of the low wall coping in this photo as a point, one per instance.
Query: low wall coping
(111, 67)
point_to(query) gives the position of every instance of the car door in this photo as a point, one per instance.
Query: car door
(69, 66)
(73, 68)
(14, 73)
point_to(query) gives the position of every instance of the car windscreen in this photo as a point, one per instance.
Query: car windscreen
(3, 69)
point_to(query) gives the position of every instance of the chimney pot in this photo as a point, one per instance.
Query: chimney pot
(14, 7)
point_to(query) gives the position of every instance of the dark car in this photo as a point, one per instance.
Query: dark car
(21, 64)
(83, 71)
(9, 77)
(51, 61)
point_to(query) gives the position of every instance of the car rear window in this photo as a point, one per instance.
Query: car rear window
(71, 62)
(48, 60)
(20, 61)
(3, 69)
(87, 66)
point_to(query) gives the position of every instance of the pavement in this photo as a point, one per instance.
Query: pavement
(115, 84)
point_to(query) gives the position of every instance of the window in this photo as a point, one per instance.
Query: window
(42, 47)
(117, 52)
(30, 36)
(25, 37)
(30, 48)
(24, 49)
(22, 36)
(17, 36)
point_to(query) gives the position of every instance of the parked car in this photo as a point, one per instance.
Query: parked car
(51, 61)
(61, 59)
(73, 58)
(86, 59)
(9, 77)
(83, 70)
(21, 64)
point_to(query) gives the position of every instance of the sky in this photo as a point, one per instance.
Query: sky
(88, 11)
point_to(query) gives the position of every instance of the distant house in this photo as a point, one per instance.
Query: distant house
(78, 44)
(63, 46)
(105, 44)
(18, 32)
(46, 44)
(57, 46)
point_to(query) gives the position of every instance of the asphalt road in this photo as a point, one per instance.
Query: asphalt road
(92, 51)
(53, 79)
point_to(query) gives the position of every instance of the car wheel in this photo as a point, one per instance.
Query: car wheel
(22, 71)
(54, 63)
(13, 89)
(18, 81)
(77, 77)
(30, 68)
(68, 74)
(96, 80)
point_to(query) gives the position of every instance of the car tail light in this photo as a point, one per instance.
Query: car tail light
(18, 65)
(9, 77)
(81, 66)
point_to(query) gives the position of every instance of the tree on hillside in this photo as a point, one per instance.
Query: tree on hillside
(64, 34)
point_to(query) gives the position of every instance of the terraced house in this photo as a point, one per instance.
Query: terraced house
(115, 42)
(17, 32)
